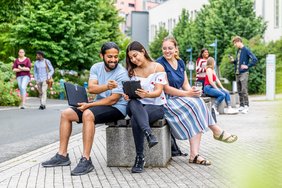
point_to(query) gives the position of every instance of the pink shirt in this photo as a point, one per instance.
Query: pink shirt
(25, 63)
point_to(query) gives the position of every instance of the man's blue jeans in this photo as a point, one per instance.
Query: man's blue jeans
(219, 94)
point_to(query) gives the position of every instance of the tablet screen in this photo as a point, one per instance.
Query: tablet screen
(129, 88)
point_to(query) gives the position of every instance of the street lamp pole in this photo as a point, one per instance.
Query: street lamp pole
(215, 53)
(190, 64)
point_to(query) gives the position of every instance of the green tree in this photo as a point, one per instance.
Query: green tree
(70, 32)
(155, 46)
(183, 33)
(11, 9)
(9, 12)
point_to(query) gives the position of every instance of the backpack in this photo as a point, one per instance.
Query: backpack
(175, 150)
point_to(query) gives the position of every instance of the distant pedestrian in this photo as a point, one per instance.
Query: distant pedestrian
(106, 82)
(22, 66)
(242, 64)
(43, 70)
(214, 88)
(201, 65)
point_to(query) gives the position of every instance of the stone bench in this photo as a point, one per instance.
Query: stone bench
(207, 101)
(234, 102)
(121, 148)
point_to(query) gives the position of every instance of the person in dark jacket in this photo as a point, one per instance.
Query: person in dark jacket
(243, 61)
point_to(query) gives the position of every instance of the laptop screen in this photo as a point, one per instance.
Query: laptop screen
(75, 94)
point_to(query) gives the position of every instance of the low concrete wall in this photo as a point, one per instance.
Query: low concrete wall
(234, 102)
(121, 147)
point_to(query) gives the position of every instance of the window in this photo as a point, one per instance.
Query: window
(153, 32)
(276, 13)
(254, 5)
(263, 9)
(195, 13)
(131, 5)
(169, 24)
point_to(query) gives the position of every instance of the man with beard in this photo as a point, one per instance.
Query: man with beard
(106, 82)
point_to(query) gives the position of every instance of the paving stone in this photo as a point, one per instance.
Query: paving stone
(255, 141)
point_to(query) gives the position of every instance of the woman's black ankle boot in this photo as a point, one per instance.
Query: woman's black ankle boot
(139, 164)
(152, 140)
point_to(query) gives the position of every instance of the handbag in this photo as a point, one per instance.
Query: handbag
(49, 81)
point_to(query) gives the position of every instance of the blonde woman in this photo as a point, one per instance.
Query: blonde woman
(214, 88)
(185, 111)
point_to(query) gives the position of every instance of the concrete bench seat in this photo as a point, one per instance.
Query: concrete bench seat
(207, 101)
(234, 102)
(121, 148)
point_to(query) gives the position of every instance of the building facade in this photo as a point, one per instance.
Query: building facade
(167, 14)
(271, 12)
(125, 8)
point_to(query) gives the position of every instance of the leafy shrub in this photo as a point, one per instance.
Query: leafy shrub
(54, 92)
(8, 94)
(32, 89)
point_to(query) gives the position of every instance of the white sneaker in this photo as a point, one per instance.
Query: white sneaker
(241, 108)
(230, 110)
(246, 110)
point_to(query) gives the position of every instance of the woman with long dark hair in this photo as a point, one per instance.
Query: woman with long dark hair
(201, 64)
(149, 107)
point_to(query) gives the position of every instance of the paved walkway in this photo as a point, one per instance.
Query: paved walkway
(253, 161)
(33, 103)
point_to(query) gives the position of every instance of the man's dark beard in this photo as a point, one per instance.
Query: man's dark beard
(109, 66)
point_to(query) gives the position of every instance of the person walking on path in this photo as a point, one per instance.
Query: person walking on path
(106, 82)
(149, 107)
(214, 88)
(22, 66)
(43, 70)
(185, 111)
(242, 64)
(201, 64)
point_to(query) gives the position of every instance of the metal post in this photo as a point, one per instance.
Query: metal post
(190, 69)
(85, 85)
(270, 76)
(190, 65)
(62, 94)
(215, 56)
